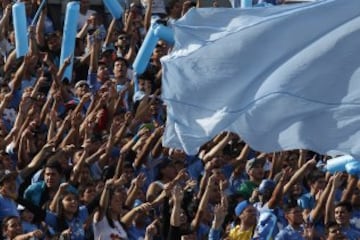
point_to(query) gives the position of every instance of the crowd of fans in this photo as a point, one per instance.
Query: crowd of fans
(82, 158)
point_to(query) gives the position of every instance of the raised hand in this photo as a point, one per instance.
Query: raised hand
(177, 194)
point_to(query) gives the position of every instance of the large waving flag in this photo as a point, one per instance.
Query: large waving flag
(283, 77)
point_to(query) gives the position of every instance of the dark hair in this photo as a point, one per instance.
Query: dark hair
(344, 204)
(330, 225)
(82, 188)
(54, 164)
(108, 213)
(5, 220)
(289, 206)
(121, 59)
(147, 76)
(61, 221)
(315, 175)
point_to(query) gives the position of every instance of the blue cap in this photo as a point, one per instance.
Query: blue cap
(240, 207)
(266, 185)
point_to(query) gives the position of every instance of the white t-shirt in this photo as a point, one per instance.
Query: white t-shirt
(158, 6)
(103, 231)
(83, 18)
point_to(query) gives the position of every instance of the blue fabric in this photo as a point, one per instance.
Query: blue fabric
(214, 234)
(93, 83)
(76, 224)
(34, 191)
(28, 227)
(135, 233)
(355, 219)
(194, 167)
(289, 233)
(8, 208)
(203, 231)
(306, 201)
(351, 233)
(266, 225)
(277, 93)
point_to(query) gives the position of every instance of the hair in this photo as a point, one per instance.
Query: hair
(146, 76)
(54, 164)
(288, 206)
(108, 212)
(121, 59)
(61, 221)
(330, 225)
(82, 188)
(6, 220)
(315, 175)
(170, 5)
(344, 204)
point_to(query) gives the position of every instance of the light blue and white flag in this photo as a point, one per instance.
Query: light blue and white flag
(283, 77)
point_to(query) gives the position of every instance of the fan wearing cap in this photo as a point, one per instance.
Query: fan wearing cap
(270, 197)
(254, 168)
(246, 215)
(81, 96)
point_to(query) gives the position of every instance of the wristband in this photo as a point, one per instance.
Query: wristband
(136, 138)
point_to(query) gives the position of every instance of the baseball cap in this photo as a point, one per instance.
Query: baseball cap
(80, 83)
(240, 207)
(267, 185)
(253, 162)
(6, 175)
(246, 188)
(109, 49)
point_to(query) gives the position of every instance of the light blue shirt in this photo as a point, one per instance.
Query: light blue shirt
(8, 208)
(351, 233)
(76, 224)
(289, 233)
(306, 201)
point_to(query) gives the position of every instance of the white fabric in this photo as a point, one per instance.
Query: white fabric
(102, 230)
(83, 18)
(282, 77)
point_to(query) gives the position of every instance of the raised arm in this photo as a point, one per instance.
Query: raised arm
(104, 200)
(299, 174)
(203, 202)
(318, 211)
(277, 195)
(4, 22)
(329, 209)
(178, 195)
(40, 26)
(218, 147)
(110, 32)
(149, 144)
(350, 187)
(128, 218)
(148, 12)
(55, 200)
(36, 162)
